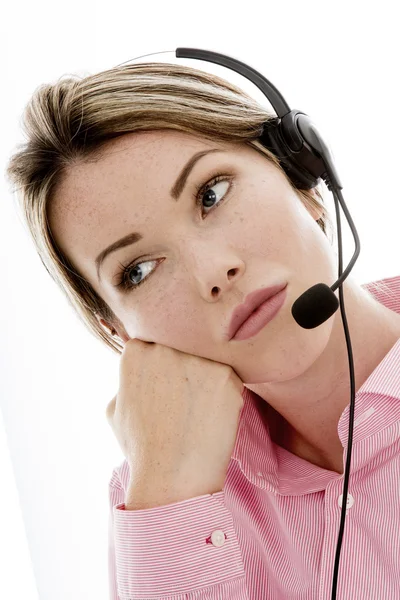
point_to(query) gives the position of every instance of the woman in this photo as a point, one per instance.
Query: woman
(102, 161)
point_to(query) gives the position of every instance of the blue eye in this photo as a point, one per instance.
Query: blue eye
(124, 275)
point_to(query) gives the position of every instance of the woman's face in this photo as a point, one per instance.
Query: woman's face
(196, 262)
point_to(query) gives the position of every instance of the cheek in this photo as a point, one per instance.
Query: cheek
(168, 320)
(265, 238)
(264, 224)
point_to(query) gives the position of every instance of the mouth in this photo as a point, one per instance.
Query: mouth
(259, 308)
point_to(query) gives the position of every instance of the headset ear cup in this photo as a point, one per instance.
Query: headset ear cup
(273, 139)
(319, 159)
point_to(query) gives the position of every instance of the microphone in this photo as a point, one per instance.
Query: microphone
(315, 306)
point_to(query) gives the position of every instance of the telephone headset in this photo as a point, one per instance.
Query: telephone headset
(306, 159)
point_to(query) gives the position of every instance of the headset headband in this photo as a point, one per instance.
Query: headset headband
(291, 136)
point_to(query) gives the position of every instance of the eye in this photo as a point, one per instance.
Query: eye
(202, 190)
(124, 275)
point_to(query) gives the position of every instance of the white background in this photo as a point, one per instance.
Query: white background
(336, 61)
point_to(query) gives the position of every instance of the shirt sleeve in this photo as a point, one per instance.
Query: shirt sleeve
(187, 550)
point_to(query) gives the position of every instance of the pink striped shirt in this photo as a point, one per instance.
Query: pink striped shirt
(272, 532)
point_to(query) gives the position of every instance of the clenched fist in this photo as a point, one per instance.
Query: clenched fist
(175, 417)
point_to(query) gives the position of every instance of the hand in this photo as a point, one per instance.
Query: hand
(176, 417)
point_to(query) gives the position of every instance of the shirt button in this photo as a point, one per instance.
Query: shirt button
(350, 500)
(218, 538)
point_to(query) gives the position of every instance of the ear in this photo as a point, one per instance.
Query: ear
(104, 324)
(118, 331)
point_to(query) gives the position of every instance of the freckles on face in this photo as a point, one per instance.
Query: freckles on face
(183, 313)
(175, 321)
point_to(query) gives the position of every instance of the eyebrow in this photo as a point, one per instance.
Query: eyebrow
(175, 193)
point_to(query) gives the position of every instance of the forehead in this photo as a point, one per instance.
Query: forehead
(101, 197)
(145, 159)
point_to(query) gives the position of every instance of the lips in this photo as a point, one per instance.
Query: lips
(252, 301)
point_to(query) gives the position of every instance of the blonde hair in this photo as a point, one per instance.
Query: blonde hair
(68, 122)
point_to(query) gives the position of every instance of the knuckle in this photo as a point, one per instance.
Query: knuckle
(110, 410)
(129, 346)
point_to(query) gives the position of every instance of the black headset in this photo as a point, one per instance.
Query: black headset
(306, 159)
